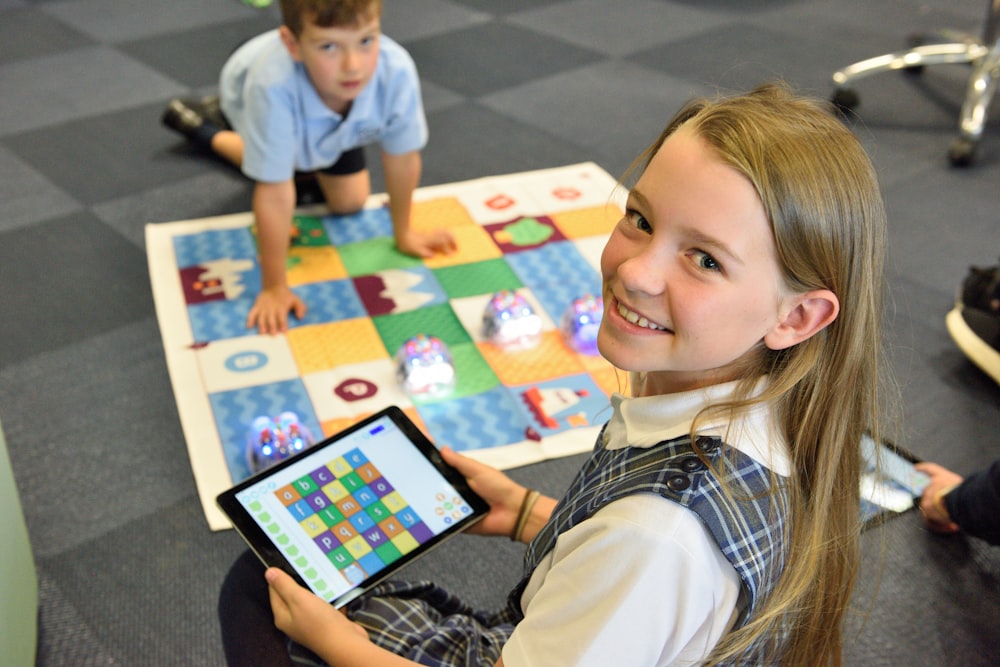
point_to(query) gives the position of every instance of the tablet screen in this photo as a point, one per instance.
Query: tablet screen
(889, 481)
(350, 510)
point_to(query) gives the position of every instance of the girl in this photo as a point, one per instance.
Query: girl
(717, 519)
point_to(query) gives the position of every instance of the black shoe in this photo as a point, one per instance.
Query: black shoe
(192, 118)
(211, 110)
(974, 322)
(981, 289)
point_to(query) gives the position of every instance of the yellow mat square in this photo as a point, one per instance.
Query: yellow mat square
(588, 221)
(549, 359)
(338, 424)
(440, 213)
(319, 347)
(314, 265)
(474, 245)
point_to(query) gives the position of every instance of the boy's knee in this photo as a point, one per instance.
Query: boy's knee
(346, 203)
(345, 194)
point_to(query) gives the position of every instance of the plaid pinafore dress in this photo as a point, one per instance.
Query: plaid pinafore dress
(429, 625)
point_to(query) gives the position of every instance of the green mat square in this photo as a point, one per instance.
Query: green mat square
(439, 321)
(367, 257)
(484, 277)
(308, 231)
(473, 375)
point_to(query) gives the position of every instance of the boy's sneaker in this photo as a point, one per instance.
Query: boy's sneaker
(974, 322)
(189, 117)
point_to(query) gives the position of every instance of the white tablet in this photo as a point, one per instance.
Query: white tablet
(890, 484)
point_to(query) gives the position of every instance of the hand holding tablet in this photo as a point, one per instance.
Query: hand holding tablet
(354, 508)
(890, 484)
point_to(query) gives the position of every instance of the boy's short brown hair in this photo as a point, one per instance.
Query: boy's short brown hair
(327, 13)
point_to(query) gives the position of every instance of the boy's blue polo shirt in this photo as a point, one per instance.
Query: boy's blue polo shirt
(270, 101)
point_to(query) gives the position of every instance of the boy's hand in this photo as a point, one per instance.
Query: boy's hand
(426, 244)
(270, 312)
(303, 616)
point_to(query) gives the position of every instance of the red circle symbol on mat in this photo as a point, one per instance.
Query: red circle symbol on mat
(355, 389)
(566, 193)
(499, 202)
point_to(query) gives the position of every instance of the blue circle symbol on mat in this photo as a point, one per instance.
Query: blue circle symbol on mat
(244, 362)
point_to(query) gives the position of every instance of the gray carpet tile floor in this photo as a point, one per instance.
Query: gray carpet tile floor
(128, 569)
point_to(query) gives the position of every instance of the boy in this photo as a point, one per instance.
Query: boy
(308, 97)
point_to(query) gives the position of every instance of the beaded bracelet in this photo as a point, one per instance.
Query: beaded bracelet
(530, 498)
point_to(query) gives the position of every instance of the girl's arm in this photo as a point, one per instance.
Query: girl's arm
(319, 626)
(323, 629)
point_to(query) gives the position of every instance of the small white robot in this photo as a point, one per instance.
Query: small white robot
(509, 321)
(424, 366)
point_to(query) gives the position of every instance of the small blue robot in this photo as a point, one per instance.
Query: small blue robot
(271, 440)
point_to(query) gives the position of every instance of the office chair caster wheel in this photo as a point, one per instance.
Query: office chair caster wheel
(845, 100)
(961, 152)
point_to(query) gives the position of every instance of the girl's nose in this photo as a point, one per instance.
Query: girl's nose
(644, 272)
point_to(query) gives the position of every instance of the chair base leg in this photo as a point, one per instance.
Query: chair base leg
(920, 56)
(985, 61)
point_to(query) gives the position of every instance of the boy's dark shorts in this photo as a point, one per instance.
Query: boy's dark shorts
(350, 162)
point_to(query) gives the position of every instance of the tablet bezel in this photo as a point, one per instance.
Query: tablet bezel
(882, 513)
(270, 553)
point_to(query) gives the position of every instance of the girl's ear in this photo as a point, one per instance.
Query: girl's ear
(291, 42)
(803, 316)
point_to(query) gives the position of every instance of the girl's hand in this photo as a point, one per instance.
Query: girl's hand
(503, 494)
(303, 616)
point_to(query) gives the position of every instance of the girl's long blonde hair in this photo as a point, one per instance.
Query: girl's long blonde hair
(822, 199)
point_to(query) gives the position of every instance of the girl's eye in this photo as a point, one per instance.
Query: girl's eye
(706, 261)
(635, 219)
(329, 48)
(368, 41)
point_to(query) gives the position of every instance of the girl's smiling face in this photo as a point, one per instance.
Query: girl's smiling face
(691, 280)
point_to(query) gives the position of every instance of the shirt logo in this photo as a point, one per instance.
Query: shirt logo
(368, 134)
